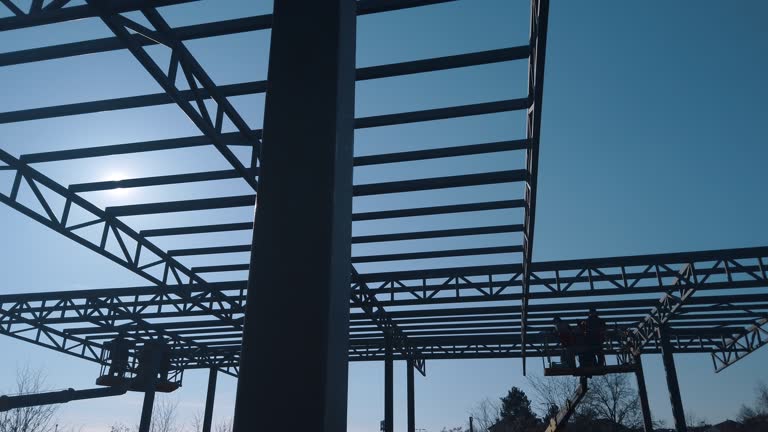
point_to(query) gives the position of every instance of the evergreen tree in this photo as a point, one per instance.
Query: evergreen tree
(516, 412)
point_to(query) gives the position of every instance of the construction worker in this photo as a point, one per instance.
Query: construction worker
(565, 336)
(119, 351)
(594, 336)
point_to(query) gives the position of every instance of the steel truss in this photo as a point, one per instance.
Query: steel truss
(490, 311)
(741, 344)
(77, 322)
(147, 257)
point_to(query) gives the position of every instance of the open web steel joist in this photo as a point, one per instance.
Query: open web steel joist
(452, 323)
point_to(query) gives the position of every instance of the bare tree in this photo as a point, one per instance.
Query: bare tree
(692, 420)
(224, 426)
(549, 392)
(165, 416)
(119, 427)
(756, 415)
(762, 398)
(197, 422)
(164, 419)
(613, 397)
(29, 419)
(610, 397)
(485, 414)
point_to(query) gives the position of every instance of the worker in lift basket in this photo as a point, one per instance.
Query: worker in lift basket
(119, 350)
(565, 336)
(594, 337)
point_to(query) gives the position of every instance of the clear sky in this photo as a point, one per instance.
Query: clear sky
(653, 140)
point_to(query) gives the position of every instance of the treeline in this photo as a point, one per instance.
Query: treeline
(611, 405)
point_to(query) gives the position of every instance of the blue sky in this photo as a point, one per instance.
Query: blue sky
(653, 140)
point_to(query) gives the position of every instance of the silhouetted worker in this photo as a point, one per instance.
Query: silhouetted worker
(594, 336)
(586, 356)
(565, 335)
(165, 364)
(119, 350)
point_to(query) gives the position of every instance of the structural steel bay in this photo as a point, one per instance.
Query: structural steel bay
(411, 297)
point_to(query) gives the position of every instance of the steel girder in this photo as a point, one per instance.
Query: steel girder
(194, 74)
(55, 11)
(363, 298)
(257, 87)
(140, 256)
(539, 24)
(212, 301)
(212, 129)
(464, 332)
(375, 72)
(478, 332)
(641, 275)
(115, 311)
(26, 321)
(656, 322)
(741, 344)
(183, 65)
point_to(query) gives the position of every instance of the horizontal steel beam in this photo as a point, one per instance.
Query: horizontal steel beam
(200, 229)
(64, 14)
(443, 63)
(401, 186)
(183, 206)
(420, 235)
(94, 46)
(129, 102)
(230, 139)
(442, 113)
(158, 180)
(184, 33)
(434, 183)
(437, 254)
(441, 152)
(50, 15)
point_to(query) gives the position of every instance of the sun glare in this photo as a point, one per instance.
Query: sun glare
(117, 176)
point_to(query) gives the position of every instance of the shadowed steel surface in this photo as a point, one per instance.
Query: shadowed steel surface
(670, 371)
(210, 396)
(309, 111)
(642, 393)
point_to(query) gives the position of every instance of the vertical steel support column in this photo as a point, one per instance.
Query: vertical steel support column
(302, 231)
(674, 388)
(146, 410)
(643, 394)
(411, 398)
(209, 397)
(389, 387)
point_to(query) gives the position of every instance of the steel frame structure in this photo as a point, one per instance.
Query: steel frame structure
(731, 283)
(713, 302)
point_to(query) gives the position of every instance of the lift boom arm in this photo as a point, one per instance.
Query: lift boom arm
(558, 422)
(56, 397)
